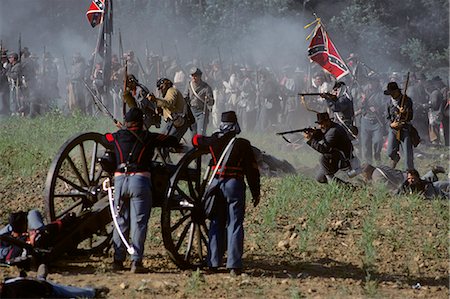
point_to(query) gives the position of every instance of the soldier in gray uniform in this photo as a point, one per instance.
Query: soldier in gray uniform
(200, 96)
(32, 103)
(76, 87)
(14, 73)
(373, 122)
(49, 81)
(341, 107)
(4, 87)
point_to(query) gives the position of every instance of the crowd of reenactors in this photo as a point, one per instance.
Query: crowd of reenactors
(264, 98)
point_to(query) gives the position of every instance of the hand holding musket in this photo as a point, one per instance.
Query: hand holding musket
(328, 96)
(308, 133)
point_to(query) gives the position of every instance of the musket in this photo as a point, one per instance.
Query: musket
(20, 46)
(120, 47)
(43, 63)
(142, 69)
(401, 117)
(302, 100)
(125, 77)
(304, 130)
(221, 64)
(65, 66)
(99, 102)
(310, 94)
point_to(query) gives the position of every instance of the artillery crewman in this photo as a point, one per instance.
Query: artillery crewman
(174, 108)
(229, 189)
(400, 115)
(134, 149)
(334, 144)
(200, 95)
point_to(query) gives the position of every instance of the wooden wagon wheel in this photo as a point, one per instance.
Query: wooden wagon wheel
(184, 227)
(74, 183)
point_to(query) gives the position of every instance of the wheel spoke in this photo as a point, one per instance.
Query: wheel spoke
(198, 237)
(204, 233)
(182, 236)
(84, 161)
(190, 241)
(75, 186)
(75, 170)
(183, 194)
(179, 222)
(93, 161)
(76, 204)
(192, 190)
(70, 195)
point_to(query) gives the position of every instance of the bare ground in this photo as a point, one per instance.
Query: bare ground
(333, 269)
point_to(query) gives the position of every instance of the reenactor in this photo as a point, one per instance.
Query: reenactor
(14, 73)
(49, 80)
(200, 96)
(76, 93)
(174, 109)
(116, 86)
(269, 104)
(340, 105)
(333, 143)
(4, 86)
(226, 231)
(373, 121)
(400, 114)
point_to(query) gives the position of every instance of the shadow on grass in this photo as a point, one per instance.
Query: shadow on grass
(284, 267)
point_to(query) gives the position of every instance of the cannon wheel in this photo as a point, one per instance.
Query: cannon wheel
(184, 227)
(74, 183)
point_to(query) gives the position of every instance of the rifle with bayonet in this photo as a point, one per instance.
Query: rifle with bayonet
(98, 102)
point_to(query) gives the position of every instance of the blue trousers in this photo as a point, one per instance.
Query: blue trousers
(133, 199)
(201, 121)
(394, 145)
(228, 225)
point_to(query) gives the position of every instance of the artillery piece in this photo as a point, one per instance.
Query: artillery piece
(74, 185)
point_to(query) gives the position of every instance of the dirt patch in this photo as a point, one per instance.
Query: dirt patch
(333, 268)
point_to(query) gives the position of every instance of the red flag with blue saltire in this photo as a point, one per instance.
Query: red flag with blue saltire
(95, 12)
(322, 51)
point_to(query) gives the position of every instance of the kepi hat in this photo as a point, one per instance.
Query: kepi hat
(229, 123)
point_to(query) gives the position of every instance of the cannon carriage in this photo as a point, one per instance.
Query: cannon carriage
(74, 185)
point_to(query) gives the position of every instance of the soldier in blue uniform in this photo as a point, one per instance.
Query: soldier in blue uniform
(227, 222)
(134, 150)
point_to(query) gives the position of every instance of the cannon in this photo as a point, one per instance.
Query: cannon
(74, 185)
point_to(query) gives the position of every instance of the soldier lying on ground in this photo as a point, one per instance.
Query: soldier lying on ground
(394, 178)
(430, 190)
(40, 287)
(28, 228)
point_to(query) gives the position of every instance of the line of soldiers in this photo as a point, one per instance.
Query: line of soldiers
(263, 99)
(27, 88)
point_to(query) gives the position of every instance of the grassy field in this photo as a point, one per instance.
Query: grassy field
(300, 228)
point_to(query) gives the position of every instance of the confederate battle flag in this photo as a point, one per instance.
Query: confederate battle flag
(95, 12)
(322, 50)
